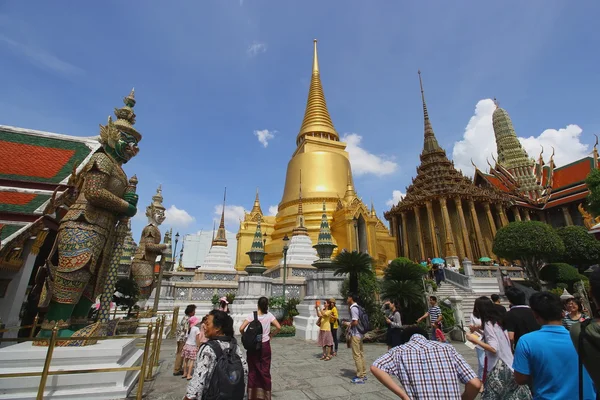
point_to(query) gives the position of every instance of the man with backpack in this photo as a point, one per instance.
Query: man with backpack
(221, 372)
(358, 326)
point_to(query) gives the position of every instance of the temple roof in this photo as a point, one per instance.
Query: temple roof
(316, 116)
(436, 176)
(41, 164)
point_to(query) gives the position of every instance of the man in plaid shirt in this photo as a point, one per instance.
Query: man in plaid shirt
(181, 336)
(427, 370)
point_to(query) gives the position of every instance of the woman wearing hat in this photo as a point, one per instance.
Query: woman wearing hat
(334, 325)
(224, 304)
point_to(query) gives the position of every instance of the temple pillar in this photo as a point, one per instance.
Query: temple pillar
(526, 214)
(404, 236)
(450, 247)
(418, 222)
(490, 217)
(516, 213)
(463, 228)
(567, 214)
(542, 215)
(478, 234)
(431, 220)
(502, 214)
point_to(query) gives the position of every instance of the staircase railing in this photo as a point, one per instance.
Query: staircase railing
(458, 279)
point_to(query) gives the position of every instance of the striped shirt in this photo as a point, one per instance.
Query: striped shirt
(434, 313)
(568, 322)
(427, 370)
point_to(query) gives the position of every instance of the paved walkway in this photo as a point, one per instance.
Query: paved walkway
(297, 373)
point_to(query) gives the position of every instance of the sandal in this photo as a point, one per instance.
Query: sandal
(327, 359)
(322, 358)
(334, 354)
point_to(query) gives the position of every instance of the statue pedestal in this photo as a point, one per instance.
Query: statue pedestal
(322, 285)
(116, 353)
(453, 260)
(250, 289)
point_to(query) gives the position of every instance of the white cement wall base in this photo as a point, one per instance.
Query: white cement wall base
(322, 285)
(117, 353)
(251, 288)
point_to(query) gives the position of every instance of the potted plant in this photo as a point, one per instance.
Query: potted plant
(276, 307)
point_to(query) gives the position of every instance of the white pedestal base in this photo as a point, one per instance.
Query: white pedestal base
(322, 285)
(117, 353)
(251, 288)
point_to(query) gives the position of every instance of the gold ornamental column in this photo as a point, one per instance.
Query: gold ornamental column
(431, 220)
(478, 234)
(463, 228)
(567, 214)
(516, 213)
(490, 217)
(418, 221)
(502, 214)
(451, 250)
(526, 214)
(404, 235)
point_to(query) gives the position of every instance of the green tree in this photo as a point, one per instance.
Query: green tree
(593, 183)
(531, 242)
(403, 282)
(127, 293)
(354, 264)
(562, 275)
(581, 248)
(368, 294)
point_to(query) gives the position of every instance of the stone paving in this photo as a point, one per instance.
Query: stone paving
(297, 373)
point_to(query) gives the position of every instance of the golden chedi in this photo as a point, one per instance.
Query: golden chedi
(324, 164)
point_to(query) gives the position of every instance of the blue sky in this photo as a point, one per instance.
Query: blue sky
(209, 74)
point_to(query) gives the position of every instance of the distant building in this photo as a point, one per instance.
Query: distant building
(197, 246)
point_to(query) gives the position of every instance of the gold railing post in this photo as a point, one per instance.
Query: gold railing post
(160, 337)
(44, 377)
(35, 322)
(149, 376)
(140, 390)
(174, 322)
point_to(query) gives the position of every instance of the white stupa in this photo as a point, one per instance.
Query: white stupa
(300, 251)
(218, 257)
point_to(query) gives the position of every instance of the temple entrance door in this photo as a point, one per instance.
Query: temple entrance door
(361, 232)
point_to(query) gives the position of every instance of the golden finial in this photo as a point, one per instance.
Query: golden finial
(423, 96)
(430, 144)
(473, 164)
(315, 58)
(221, 238)
(316, 116)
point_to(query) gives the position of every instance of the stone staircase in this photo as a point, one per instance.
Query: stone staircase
(447, 289)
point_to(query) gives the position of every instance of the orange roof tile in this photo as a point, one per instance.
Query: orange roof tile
(572, 173)
(16, 198)
(31, 160)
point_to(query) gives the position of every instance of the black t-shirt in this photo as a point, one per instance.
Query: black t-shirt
(520, 320)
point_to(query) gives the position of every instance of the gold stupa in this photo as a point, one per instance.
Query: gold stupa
(322, 165)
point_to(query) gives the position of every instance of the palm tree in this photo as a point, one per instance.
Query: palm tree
(354, 264)
(402, 281)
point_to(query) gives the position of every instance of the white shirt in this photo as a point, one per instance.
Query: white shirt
(191, 339)
(265, 321)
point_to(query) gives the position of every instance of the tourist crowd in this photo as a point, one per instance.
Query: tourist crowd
(545, 348)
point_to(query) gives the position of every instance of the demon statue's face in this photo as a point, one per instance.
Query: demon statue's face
(126, 147)
(156, 215)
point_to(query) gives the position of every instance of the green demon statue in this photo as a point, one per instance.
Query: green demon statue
(150, 247)
(85, 240)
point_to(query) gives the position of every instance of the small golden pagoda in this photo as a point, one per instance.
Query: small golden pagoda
(326, 178)
(443, 213)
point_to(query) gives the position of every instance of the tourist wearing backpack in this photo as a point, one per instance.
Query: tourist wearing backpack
(221, 372)
(357, 328)
(256, 336)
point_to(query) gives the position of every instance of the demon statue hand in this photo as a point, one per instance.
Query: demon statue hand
(85, 240)
(142, 266)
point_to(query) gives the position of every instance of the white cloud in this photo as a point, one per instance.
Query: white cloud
(178, 218)
(264, 136)
(40, 57)
(479, 142)
(256, 48)
(364, 162)
(233, 214)
(273, 210)
(566, 142)
(396, 197)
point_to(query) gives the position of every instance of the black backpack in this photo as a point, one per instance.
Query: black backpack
(364, 325)
(227, 378)
(252, 336)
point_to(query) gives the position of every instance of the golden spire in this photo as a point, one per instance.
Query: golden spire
(221, 237)
(350, 192)
(316, 116)
(430, 144)
(373, 213)
(300, 229)
(256, 207)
